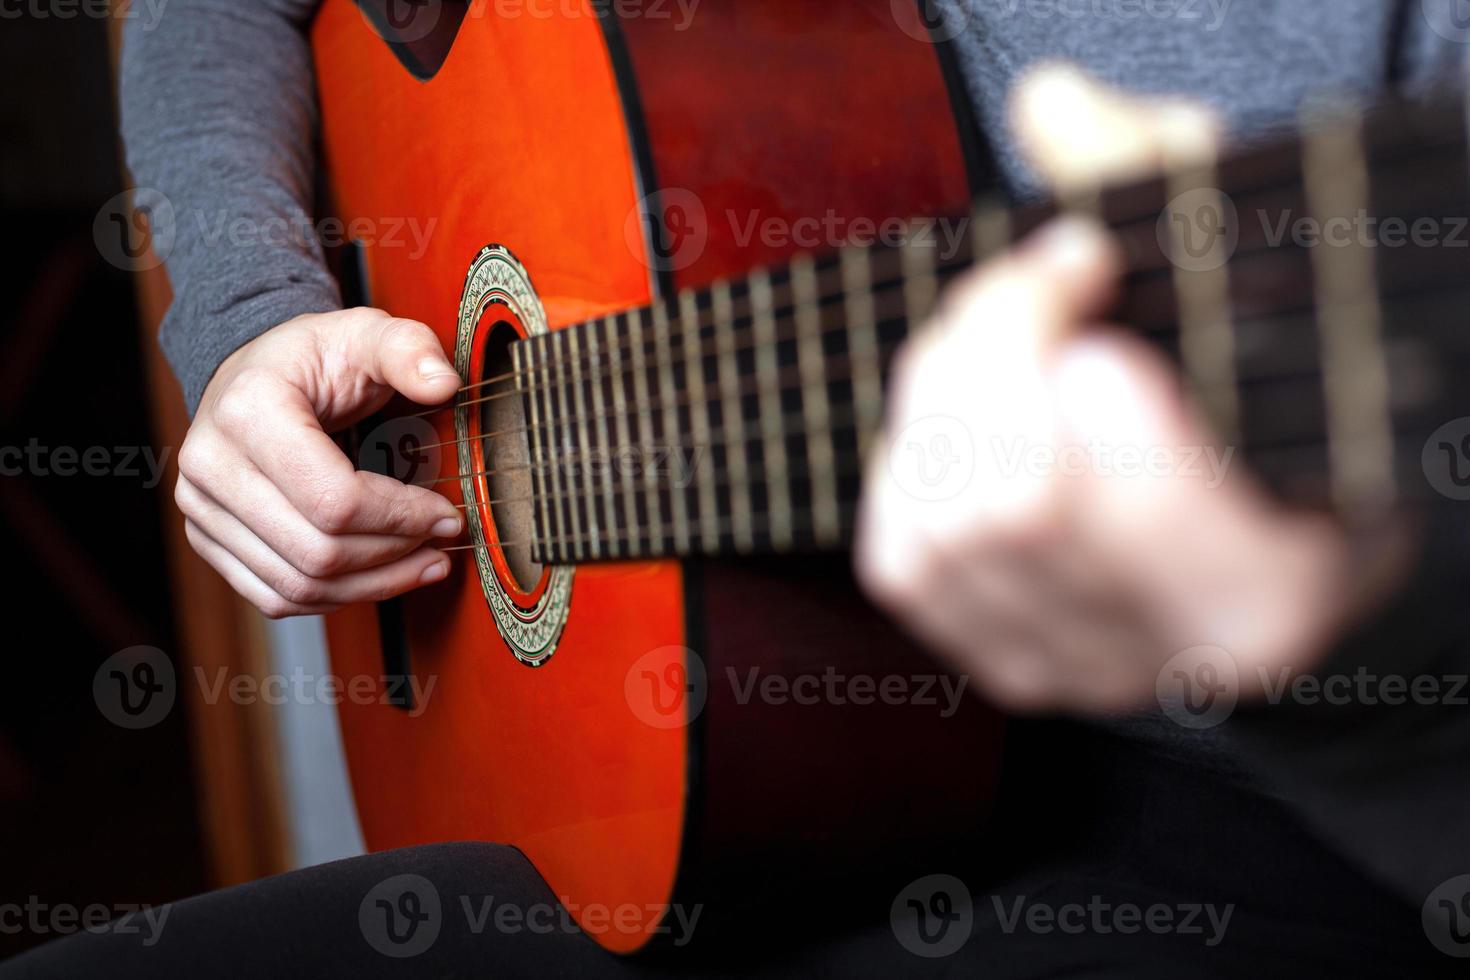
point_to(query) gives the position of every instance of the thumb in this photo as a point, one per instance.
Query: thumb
(1022, 304)
(1079, 133)
(403, 354)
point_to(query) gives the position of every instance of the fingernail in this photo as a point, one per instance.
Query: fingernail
(447, 527)
(1070, 243)
(434, 368)
(435, 572)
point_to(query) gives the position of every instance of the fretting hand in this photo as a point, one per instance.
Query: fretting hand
(1070, 587)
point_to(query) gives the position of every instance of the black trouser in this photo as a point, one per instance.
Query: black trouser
(1108, 861)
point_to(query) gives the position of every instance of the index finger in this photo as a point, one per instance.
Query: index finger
(285, 441)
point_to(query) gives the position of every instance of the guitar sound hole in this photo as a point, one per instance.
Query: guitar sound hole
(507, 458)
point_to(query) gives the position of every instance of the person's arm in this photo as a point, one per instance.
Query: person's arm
(219, 115)
(218, 112)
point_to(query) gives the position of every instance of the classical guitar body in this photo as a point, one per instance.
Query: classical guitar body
(646, 731)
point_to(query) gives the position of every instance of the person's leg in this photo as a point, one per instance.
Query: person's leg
(1109, 860)
(424, 911)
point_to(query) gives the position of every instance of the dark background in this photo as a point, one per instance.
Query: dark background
(90, 813)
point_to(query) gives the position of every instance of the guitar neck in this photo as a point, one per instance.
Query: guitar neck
(1310, 292)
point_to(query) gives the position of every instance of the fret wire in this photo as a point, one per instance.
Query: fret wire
(564, 437)
(620, 422)
(579, 405)
(560, 521)
(773, 439)
(1360, 439)
(487, 458)
(732, 413)
(678, 503)
(1083, 200)
(535, 440)
(990, 231)
(918, 262)
(699, 421)
(645, 423)
(1203, 301)
(604, 439)
(814, 403)
(861, 324)
(534, 397)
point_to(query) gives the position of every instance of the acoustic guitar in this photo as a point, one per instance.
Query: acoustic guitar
(651, 671)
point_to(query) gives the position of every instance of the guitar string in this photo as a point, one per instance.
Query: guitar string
(879, 288)
(783, 314)
(590, 492)
(748, 386)
(565, 424)
(760, 520)
(785, 317)
(601, 487)
(680, 400)
(660, 538)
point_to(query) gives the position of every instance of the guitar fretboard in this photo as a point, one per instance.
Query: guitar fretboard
(1312, 292)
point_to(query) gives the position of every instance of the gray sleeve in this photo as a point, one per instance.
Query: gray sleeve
(1385, 773)
(218, 110)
